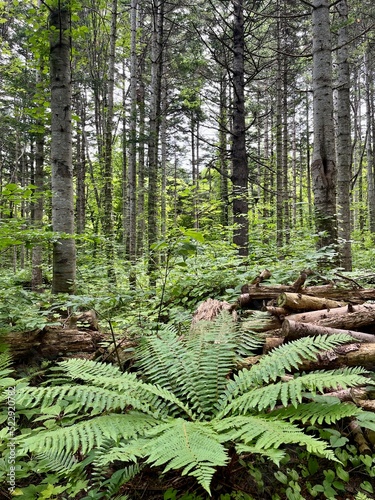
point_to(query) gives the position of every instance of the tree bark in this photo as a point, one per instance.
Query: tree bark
(298, 301)
(343, 139)
(64, 255)
(108, 140)
(132, 163)
(323, 168)
(343, 356)
(293, 330)
(347, 318)
(238, 153)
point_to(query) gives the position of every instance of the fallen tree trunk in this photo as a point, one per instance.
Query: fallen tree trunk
(53, 343)
(352, 316)
(343, 356)
(271, 292)
(292, 330)
(298, 301)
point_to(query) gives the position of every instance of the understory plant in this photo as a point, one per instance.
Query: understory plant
(188, 406)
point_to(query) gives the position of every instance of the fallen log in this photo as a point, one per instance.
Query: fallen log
(292, 330)
(359, 437)
(52, 343)
(343, 356)
(348, 317)
(271, 292)
(298, 301)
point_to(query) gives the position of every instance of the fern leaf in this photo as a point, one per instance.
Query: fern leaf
(61, 463)
(191, 446)
(320, 412)
(277, 363)
(91, 398)
(292, 391)
(264, 432)
(195, 369)
(90, 434)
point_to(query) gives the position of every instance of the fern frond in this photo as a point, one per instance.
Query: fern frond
(292, 391)
(119, 478)
(195, 368)
(61, 462)
(91, 398)
(90, 434)
(264, 432)
(191, 446)
(126, 451)
(80, 368)
(319, 412)
(277, 363)
(106, 389)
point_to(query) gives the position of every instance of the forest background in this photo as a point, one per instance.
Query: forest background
(155, 153)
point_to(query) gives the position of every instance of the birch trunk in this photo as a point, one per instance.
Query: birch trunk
(64, 255)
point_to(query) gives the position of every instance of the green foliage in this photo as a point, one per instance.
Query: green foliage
(184, 412)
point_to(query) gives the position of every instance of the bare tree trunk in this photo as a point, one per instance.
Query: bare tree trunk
(323, 168)
(370, 140)
(81, 168)
(239, 155)
(343, 139)
(223, 160)
(108, 139)
(154, 127)
(38, 204)
(132, 164)
(64, 255)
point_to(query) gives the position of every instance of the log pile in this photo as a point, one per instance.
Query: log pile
(282, 313)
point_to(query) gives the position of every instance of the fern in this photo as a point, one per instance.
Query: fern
(190, 446)
(280, 361)
(292, 391)
(264, 432)
(317, 412)
(195, 368)
(89, 434)
(183, 412)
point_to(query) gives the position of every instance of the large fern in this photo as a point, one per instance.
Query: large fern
(182, 410)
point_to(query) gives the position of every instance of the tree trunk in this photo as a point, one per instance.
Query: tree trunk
(132, 163)
(108, 140)
(239, 156)
(323, 168)
(370, 140)
(64, 256)
(154, 127)
(38, 204)
(343, 139)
